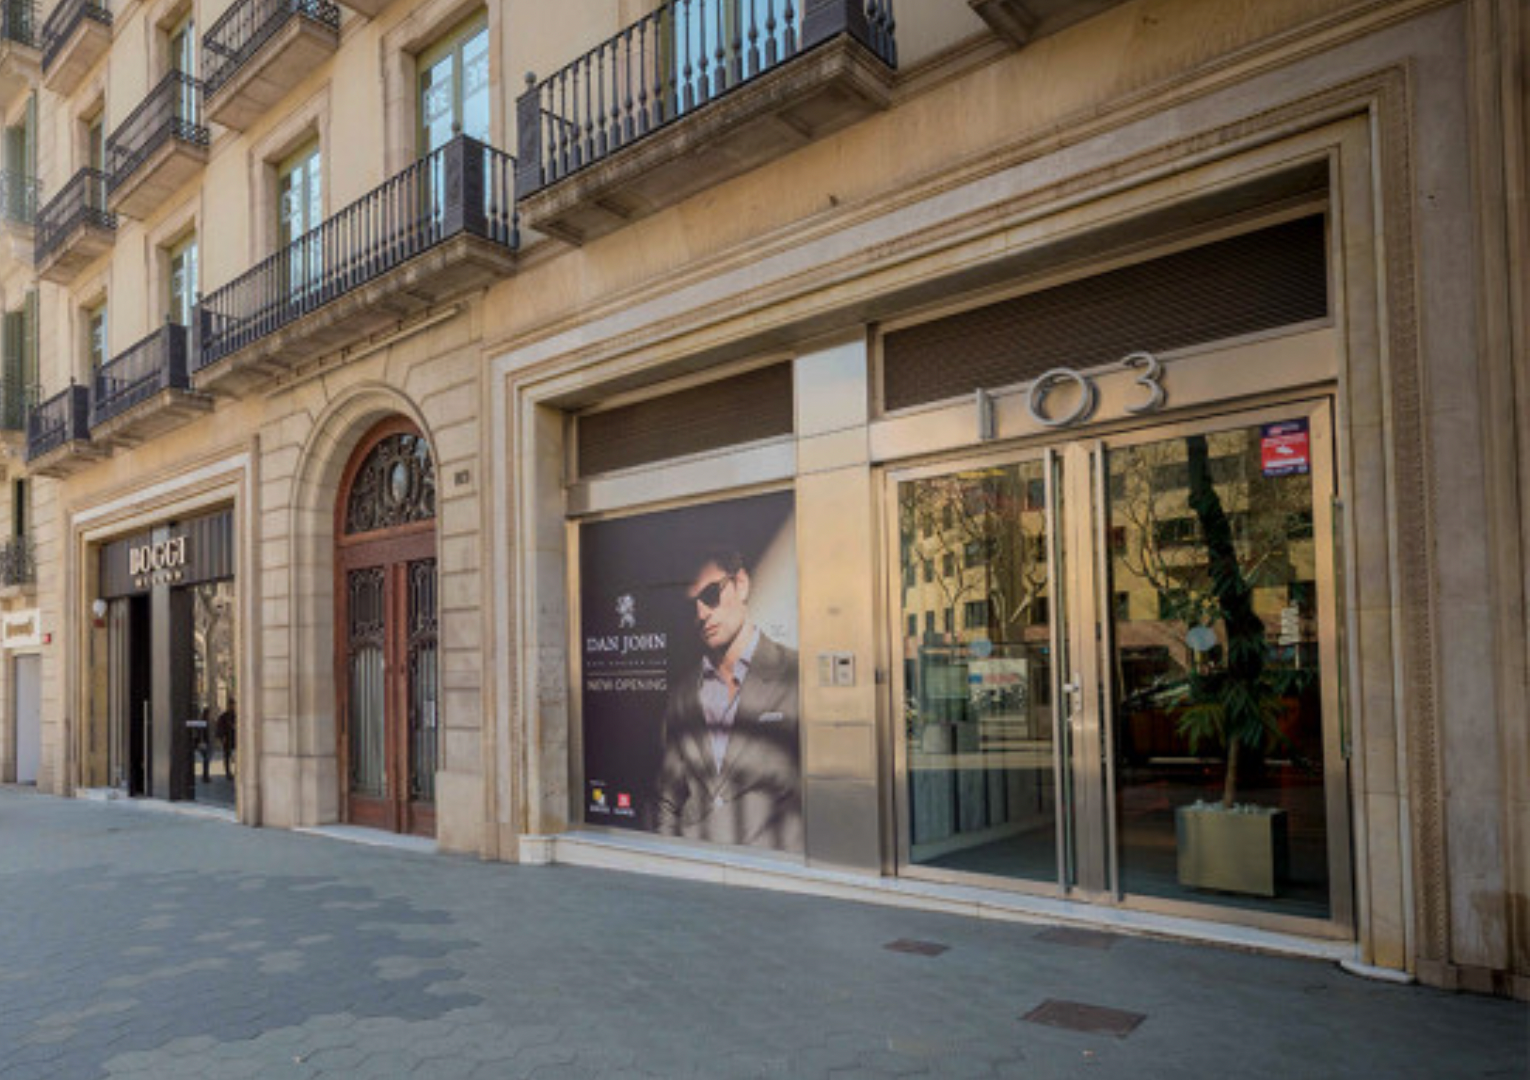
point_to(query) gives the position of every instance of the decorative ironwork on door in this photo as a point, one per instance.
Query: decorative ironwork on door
(385, 554)
(396, 485)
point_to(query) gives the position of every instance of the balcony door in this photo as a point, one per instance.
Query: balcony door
(183, 281)
(183, 58)
(1120, 670)
(300, 211)
(454, 87)
(385, 632)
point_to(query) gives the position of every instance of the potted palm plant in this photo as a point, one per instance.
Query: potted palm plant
(1233, 705)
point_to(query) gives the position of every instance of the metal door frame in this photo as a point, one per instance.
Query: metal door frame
(1088, 851)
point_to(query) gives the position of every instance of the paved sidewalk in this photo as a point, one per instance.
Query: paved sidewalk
(142, 944)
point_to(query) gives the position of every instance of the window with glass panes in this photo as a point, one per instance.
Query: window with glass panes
(183, 281)
(183, 58)
(95, 336)
(454, 86)
(18, 356)
(299, 211)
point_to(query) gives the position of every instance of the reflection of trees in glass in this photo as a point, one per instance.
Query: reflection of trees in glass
(978, 536)
(213, 641)
(1159, 538)
(1205, 530)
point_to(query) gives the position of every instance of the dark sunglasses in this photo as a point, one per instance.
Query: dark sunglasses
(712, 594)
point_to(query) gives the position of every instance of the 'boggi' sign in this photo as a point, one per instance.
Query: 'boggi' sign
(151, 558)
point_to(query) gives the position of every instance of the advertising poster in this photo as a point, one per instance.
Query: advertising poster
(689, 673)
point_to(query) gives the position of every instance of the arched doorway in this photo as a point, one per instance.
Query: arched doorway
(385, 631)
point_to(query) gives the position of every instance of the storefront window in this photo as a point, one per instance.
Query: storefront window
(689, 680)
(978, 720)
(214, 699)
(1219, 735)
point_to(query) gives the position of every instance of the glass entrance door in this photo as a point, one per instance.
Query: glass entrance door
(978, 652)
(1120, 670)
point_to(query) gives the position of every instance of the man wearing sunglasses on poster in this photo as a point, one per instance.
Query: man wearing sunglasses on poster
(731, 771)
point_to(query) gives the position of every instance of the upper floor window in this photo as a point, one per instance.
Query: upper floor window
(299, 211)
(18, 356)
(95, 336)
(21, 508)
(454, 86)
(95, 141)
(300, 198)
(183, 58)
(183, 281)
(21, 165)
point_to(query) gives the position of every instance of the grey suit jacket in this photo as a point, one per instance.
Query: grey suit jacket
(755, 798)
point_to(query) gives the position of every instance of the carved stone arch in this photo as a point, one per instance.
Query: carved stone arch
(308, 571)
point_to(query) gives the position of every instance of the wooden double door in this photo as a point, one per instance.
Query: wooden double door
(386, 634)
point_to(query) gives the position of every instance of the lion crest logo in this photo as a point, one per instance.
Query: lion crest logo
(626, 612)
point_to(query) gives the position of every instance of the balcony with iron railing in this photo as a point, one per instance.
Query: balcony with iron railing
(145, 390)
(160, 147)
(58, 434)
(694, 93)
(18, 566)
(20, 58)
(443, 227)
(260, 49)
(76, 35)
(74, 228)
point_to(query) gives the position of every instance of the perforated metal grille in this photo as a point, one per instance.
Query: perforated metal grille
(728, 412)
(1256, 281)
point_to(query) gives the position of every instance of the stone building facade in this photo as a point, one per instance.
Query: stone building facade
(1085, 442)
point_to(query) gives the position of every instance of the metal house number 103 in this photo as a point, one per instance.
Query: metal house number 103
(1150, 379)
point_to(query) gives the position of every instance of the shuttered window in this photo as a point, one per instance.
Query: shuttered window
(1257, 281)
(726, 412)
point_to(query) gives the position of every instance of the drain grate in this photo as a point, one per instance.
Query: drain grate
(917, 948)
(1091, 1019)
(1084, 939)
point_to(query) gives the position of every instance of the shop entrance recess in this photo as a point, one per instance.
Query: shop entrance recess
(385, 632)
(1120, 670)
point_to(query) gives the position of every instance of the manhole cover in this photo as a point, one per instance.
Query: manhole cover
(918, 948)
(1084, 939)
(1092, 1019)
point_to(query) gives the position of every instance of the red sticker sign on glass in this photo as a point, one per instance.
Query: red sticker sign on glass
(1285, 449)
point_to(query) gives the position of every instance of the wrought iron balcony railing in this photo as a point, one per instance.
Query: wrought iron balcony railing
(173, 110)
(18, 198)
(18, 562)
(65, 19)
(82, 201)
(677, 59)
(156, 363)
(248, 25)
(62, 419)
(18, 22)
(464, 187)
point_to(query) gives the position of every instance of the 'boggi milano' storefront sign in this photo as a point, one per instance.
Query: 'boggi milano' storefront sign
(184, 553)
(167, 556)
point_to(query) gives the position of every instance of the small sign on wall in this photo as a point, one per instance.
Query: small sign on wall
(21, 629)
(1285, 449)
